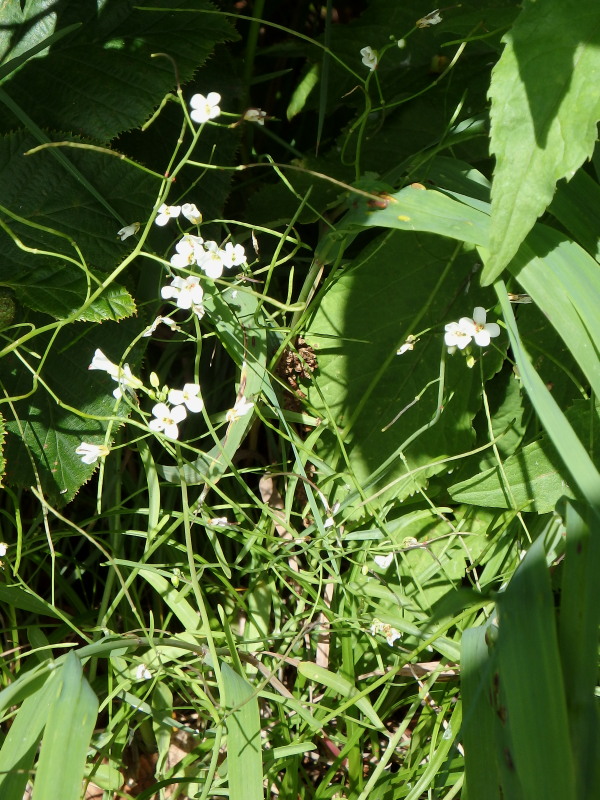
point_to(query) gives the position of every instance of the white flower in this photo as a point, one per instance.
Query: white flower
(188, 396)
(165, 213)
(205, 108)
(218, 522)
(384, 561)
(100, 361)
(369, 58)
(240, 409)
(211, 262)
(189, 250)
(233, 255)
(90, 453)
(186, 292)
(128, 230)
(3, 549)
(433, 18)
(165, 321)
(455, 336)
(142, 673)
(190, 212)
(459, 334)
(123, 375)
(167, 419)
(198, 310)
(255, 115)
(408, 345)
(390, 633)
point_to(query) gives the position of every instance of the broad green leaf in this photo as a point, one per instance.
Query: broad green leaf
(101, 80)
(71, 722)
(530, 676)
(16, 597)
(543, 117)
(341, 686)
(21, 743)
(244, 745)
(400, 285)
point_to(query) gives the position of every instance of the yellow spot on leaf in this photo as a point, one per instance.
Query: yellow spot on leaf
(403, 218)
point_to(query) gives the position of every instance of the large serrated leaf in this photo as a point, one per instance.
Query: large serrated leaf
(545, 106)
(101, 80)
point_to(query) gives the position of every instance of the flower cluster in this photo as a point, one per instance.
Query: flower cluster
(460, 334)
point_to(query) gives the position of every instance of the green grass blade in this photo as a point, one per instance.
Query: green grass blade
(478, 731)
(244, 756)
(530, 675)
(67, 736)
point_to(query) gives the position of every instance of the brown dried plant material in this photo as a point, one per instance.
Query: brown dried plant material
(297, 364)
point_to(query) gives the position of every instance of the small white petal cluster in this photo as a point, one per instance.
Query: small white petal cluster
(240, 409)
(142, 673)
(255, 115)
(167, 418)
(390, 633)
(90, 453)
(460, 334)
(186, 292)
(433, 18)
(207, 255)
(128, 230)
(122, 375)
(205, 108)
(170, 323)
(165, 213)
(370, 58)
(383, 562)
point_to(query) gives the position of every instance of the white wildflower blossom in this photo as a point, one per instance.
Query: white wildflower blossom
(191, 213)
(3, 549)
(219, 522)
(390, 633)
(459, 334)
(255, 115)
(188, 397)
(123, 375)
(142, 673)
(383, 562)
(211, 262)
(433, 18)
(198, 310)
(128, 230)
(90, 453)
(233, 255)
(240, 409)
(189, 250)
(101, 362)
(205, 108)
(165, 213)
(186, 292)
(408, 345)
(158, 321)
(370, 57)
(167, 419)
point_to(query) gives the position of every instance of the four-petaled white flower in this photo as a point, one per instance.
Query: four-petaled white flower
(101, 362)
(3, 549)
(205, 108)
(165, 321)
(240, 409)
(459, 334)
(167, 419)
(233, 255)
(165, 213)
(186, 292)
(188, 396)
(189, 250)
(212, 262)
(408, 345)
(384, 561)
(190, 212)
(370, 57)
(90, 453)
(128, 230)
(255, 115)
(433, 18)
